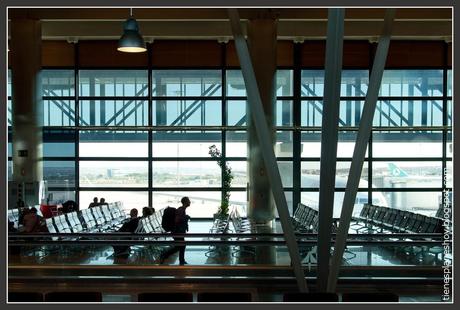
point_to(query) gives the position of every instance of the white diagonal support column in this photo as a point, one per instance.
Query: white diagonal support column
(359, 152)
(329, 136)
(268, 154)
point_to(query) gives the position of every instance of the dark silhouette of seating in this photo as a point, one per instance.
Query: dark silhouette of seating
(165, 297)
(224, 297)
(25, 297)
(73, 297)
(370, 297)
(310, 297)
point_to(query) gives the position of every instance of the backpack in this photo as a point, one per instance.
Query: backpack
(168, 219)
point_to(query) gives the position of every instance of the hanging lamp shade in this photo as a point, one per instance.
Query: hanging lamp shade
(131, 41)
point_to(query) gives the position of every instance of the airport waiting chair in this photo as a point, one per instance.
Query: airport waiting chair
(90, 222)
(73, 297)
(165, 297)
(74, 222)
(25, 297)
(310, 297)
(61, 224)
(224, 297)
(370, 297)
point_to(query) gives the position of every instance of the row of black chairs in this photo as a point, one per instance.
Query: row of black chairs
(201, 297)
(98, 219)
(305, 219)
(13, 216)
(383, 219)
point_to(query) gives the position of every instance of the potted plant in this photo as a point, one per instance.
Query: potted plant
(222, 212)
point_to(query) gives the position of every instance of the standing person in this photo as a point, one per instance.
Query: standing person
(94, 203)
(180, 227)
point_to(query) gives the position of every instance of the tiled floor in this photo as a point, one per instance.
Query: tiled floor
(223, 255)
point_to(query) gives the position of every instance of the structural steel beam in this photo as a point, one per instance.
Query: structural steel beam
(329, 136)
(263, 134)
(359, 152)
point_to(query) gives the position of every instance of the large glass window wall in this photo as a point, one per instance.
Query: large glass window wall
(143, 136)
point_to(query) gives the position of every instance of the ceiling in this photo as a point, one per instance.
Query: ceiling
(212, 23)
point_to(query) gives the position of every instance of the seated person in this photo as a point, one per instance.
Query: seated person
(129, 226)
(146, 211)
(32, 221)
(102, 202)
(69, 206)
(94, 203)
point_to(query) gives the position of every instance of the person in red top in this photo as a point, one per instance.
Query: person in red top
(180, 227)
(32, 221)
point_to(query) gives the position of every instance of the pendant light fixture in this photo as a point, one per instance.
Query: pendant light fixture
(131, 41)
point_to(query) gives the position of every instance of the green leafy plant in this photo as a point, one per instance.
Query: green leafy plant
(227, 178)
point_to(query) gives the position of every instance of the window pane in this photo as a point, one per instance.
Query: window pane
(186, 174)
(58, 83)
(10, 170)
(237, 144)
(312, 83)
(449, 144)
(349, 113)
(58, 143)
(354, 83)
(235, 83)
(408, 113)
(346, 144)
(311, 144)
(203, 83)
(185, 144)
(113, 174)
(59, 173)
(422, 202)
(284, 113)
(239, 201)
(449, 82)
(310, 174)
(449, 112)
(9, 89)
(10, 113)
(239, 172)
(407, 144)
(312, 113)
(285, 168)
(311, 199)
(284, 82)
(411, 83)
(113, 83)
(448, 175)
(236, 112)
(407, 174)
(130, 200)
(113, 144)
(288, 196)
(236, 86)
(113, 113)
(58, 112)
(187, 112)
(203, 204)
(284, 144)
(61, 196)
(343, 171)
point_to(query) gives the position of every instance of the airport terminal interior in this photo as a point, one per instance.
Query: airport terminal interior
(314, 146)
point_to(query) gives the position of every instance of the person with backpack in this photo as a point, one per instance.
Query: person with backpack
(180, 227)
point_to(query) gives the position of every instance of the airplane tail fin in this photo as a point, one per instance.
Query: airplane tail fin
(395, 171)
